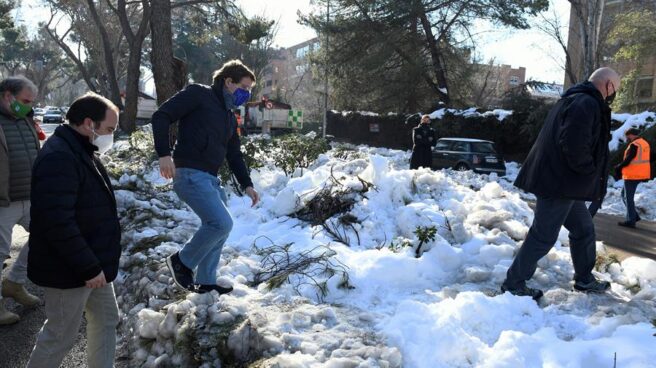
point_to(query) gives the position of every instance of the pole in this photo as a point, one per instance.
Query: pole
(325, 87)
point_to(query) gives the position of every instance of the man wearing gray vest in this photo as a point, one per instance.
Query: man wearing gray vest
(19, 145)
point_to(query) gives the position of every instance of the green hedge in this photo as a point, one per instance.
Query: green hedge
(514, 135)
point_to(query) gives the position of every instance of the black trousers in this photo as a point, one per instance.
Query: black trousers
(550, 215)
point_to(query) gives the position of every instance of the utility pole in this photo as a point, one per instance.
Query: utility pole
(325, 87)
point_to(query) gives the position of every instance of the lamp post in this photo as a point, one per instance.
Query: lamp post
(325, 87)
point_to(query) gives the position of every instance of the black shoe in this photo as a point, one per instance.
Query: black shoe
(202, 289)
(182, 275)
(536, 294)
(594, 286)
(627, 224)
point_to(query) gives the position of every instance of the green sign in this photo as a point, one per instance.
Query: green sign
(295, 119)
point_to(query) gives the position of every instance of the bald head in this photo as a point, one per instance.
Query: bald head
(606, 80)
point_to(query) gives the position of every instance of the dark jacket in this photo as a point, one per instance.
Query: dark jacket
(570, 156)
(423, 139)
(207, 132)
(74, 229)
(18, 150)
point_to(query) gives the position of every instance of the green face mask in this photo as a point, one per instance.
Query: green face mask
(19, 109)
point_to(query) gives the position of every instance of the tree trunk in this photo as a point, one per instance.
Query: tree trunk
(115, 92)
(132, 90)
(162, 50)
(589, 14)
(135, 42)
(436, 58)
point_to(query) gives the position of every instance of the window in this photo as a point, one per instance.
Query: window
(269, 83)
(276, 69)
(442, 145)
(460, 147)
(300, 69)
(645, 87)
(374, 128)
(300, 53)
(483, 147)
(514, 80)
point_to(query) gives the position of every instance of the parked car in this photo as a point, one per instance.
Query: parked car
(464, 154)
(39, 111)
(53, 116)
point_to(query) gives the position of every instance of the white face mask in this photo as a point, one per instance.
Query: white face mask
(103, 142)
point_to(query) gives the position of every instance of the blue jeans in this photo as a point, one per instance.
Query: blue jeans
(204, 194)
(628, 192)
(550, 215)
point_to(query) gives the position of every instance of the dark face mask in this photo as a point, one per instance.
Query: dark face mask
(610, 97)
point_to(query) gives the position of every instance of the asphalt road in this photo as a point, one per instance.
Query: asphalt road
(17, 341)
(49, 128)
(626, 242)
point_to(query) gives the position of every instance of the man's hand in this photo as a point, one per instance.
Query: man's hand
(97, 282)
(166, 167)
(618, 173)
(252, 193)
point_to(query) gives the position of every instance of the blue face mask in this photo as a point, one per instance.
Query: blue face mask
(240, 96)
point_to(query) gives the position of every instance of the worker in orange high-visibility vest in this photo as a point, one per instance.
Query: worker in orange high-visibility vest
(634, 169)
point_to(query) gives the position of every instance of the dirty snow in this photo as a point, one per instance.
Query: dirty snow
(442, 309)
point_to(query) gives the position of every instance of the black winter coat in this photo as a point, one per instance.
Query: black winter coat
(423, 139)
(207, 132)
(570, 156)
(74, 229)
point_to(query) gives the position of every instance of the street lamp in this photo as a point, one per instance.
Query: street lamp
(325, 88)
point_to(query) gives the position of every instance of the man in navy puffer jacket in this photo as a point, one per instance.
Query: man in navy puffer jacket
(207, 136)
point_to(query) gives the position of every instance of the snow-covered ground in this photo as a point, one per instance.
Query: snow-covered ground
(442, 309)
(645, 200)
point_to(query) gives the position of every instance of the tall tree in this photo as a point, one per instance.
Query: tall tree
(161, 55)
(393, 41)
(135, 40)
(108, 54)
(587, 37)
(635, 35)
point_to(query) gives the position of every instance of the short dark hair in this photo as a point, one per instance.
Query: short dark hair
(90, 105)
(233, 69)
(632, 131)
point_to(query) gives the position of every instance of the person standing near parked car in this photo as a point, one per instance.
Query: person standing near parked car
(566, 167)
(423, 140)
(207, 136)
(19, 146)
(634, 169)
(75, 236)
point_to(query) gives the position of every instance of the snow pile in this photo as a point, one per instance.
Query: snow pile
(363, 113)
(441, 309)
(644, 120)
(471, 112)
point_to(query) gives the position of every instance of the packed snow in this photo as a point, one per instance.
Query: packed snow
(500, 114)
(442, 309)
